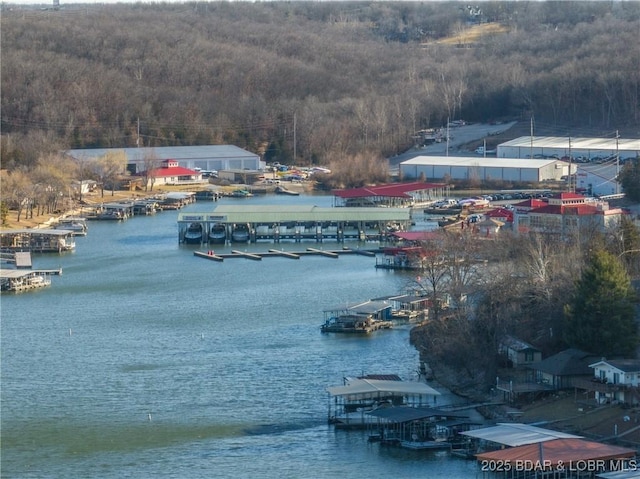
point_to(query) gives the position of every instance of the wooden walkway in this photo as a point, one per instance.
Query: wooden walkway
(273, 253)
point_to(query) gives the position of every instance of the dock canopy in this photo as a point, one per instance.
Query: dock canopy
(372, 388)
(517, 434)
(407, 414)
(558, 453)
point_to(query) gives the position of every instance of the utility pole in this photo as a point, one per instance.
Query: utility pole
(617, 164)
(294, 137)
(138, 138)
(447, 154)
(571, 179)
(531, 138)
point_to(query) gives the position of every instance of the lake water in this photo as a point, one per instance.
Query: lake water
(143, 360)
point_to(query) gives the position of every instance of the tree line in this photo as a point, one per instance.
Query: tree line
(309, 82)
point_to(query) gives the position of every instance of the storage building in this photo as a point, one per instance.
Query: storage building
(439, 168)
(199, 158)
(587, 148)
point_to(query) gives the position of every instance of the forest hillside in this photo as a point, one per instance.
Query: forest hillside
(314, 80)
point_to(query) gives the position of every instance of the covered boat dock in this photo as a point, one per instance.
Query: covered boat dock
(350, 403)
(38, 240)
(275, 223)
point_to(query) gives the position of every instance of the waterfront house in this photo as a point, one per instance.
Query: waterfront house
(562, 369)
(519, 353)
(616, 381)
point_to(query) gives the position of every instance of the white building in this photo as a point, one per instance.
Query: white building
(622, 375)
(482, 169)
(548, 146)
(204, 158)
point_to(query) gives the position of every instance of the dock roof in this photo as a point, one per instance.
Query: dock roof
(558, 452)
(517, 434)
(371, 388)
(292, 213)
(395, 190)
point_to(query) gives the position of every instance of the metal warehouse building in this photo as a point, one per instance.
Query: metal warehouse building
(546, 146)
(464, 168)
(206, 158)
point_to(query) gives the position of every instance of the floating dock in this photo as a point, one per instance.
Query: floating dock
(295, 223)
(211, 255)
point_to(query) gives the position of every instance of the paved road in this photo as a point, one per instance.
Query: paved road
(460, 135)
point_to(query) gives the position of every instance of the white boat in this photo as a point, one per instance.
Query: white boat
(193, 235)
(218, 233)
(77, 225)
(240, 233)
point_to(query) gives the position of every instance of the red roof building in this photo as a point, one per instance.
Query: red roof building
(501, 214)
(170, 173)
(566, 213)
(399, 195)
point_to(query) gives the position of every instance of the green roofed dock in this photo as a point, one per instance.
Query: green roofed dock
(275, 223)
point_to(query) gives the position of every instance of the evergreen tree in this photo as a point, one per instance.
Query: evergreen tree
(629, 178)
(601, 316)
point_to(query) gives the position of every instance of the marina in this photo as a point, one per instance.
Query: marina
(210, 389)
(297, 223)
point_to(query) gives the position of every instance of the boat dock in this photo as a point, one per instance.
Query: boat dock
(20, 280)
(274, 253)
(297, 223)
(38, 240)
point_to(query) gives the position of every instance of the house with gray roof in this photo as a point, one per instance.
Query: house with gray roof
(563, 369)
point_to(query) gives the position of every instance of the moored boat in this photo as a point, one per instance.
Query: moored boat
(78, 226)
(218, 233)
(193, 235)
(281, 190)
(354, 323)
(240, 233)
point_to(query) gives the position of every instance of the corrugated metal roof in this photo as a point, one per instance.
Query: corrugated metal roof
(367, 388)
(478, 162)
(397, 190)
(291, 213)
(203, 152)
(517, 434)
(557, 453)
(574, 143)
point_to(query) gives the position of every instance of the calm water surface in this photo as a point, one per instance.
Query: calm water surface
(142, 360)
